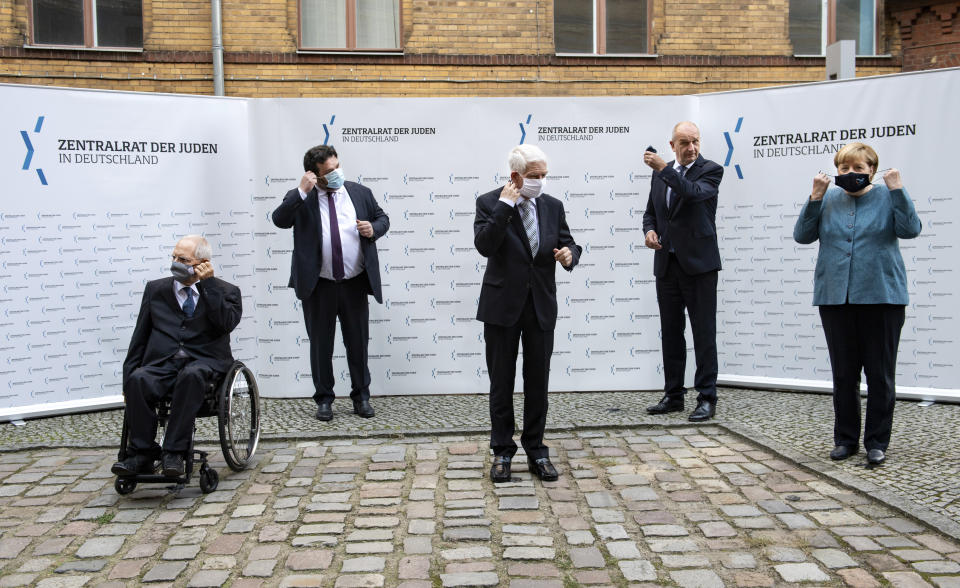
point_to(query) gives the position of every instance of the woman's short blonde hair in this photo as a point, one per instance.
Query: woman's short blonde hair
(857, 152)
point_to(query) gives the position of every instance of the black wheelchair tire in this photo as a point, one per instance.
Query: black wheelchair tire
(209, 479)
(238, 461)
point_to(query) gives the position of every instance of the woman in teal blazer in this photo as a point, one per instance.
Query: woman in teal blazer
(860, 285)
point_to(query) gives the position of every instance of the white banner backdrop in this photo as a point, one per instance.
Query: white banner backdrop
(85, 224)
(97, 188)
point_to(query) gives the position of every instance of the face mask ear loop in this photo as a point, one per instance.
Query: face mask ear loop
(878, 175)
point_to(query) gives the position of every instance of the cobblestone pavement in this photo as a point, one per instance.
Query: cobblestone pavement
(688, 506)
(923, 466)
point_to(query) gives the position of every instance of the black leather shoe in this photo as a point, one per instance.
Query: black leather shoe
(363, 409)
(133, 465)
(173, 465)
(543, 469)
(324, 412)
(704, 411)
(500, 472)
(875, 456)
(843, 452)
(666, 405)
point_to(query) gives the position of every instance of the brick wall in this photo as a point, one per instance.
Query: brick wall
(451, 48)
(930, 35)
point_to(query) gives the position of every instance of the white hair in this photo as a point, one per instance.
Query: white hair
(203, 250)
(522, 156)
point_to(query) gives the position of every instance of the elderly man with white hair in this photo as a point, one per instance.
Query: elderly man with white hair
(523, 234)
(180, 344)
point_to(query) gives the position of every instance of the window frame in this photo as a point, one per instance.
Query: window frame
(828, 28)
(600, 33)
(89, 31)
(351, 24)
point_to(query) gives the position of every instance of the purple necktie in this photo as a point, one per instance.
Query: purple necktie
(336, 251)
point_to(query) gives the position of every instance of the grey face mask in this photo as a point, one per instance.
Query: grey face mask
(182, 272)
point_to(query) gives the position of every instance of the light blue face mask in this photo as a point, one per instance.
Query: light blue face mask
(334, 179)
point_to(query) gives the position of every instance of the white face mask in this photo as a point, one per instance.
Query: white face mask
(532, 188)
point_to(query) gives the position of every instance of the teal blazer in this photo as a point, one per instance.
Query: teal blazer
(859, 260)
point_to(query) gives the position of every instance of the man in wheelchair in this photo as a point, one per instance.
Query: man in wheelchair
(180, 345)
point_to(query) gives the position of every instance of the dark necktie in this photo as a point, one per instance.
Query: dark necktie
(682, 171)
(336, 250)
(529, 225)
(189, 305)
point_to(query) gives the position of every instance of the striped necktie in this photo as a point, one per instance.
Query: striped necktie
(530, 225)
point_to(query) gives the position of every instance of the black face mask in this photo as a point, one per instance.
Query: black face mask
(852, 182)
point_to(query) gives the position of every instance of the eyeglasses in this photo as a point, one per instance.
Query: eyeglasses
(182, 259)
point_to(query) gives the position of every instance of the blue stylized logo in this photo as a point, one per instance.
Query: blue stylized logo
(523, 131)
(726, 136)
(29, 145)
(326, 131)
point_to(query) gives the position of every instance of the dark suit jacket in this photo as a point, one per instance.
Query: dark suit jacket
(304, 217)
(690, 224)
(511, 269)
(163, 328)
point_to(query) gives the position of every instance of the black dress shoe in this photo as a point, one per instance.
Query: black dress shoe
(704, 411)
(173, 465)
(843, 452)
(500, 472)
(133, 465)
(363, 409)
(666, 404)
(875, 456)
(325, 412)
(543, 469)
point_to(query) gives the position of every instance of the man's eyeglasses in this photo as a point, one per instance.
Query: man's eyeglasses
(183, 260)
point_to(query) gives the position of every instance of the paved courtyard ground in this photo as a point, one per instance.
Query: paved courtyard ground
(404, 500)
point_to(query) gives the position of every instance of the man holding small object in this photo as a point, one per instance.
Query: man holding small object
(680, 226)
(181, 344)
(333, 270)
(523, 234)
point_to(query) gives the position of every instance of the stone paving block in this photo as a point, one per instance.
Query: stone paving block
(579, 538)
(858, 577)
(11, 580)
(905, 580)
(717, 529)
(586, 557)
(664, 531)
(64, 582)
(684, 561)
(260, 568)
(470, 579)
(413, 568)
(739, 561)
(915, 554)
(672, 545)
(312, 559)
(363, 564)
(519, 503)
(696, 579)
(369, 547)
(165, 571)
(11, 548)
(637, 570)
(181, 552)
(530, 583)
(417, 545)
(623, 550)
(529, 553)
(208, 578)
(100, 547)
(84, 565)
(833, 558)
(801, 572)
(536, 570)
(359, 581)
(467, 534)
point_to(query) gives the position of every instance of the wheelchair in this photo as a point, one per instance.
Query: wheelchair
(235, 401)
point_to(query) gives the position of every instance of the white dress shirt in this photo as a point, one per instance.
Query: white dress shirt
(349, 236)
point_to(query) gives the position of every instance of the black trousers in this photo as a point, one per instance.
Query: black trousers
(697, 294)
(502, 344)
(863, 337)
(346, 300)
(183, 381)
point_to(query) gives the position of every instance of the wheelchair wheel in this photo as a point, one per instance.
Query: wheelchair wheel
(209, 479)
(124, 486)
(238, 403)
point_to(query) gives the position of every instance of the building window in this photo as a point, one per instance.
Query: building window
(88, 23)
(350, 24)
(814, 24)
(601, 26)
